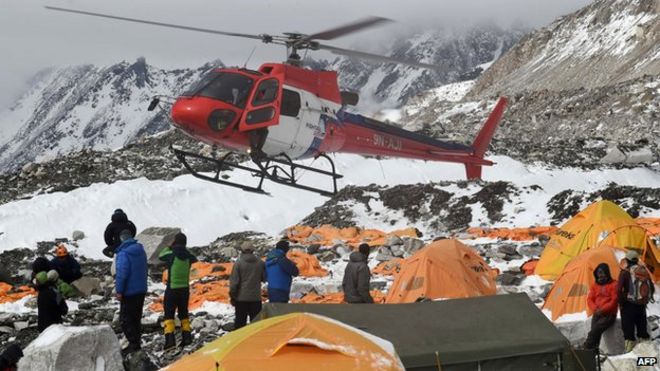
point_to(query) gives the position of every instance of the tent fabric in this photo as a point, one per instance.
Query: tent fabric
(308, 265)
(442, 269)
(652, 225)
(10, 294)
(461, 331)
(297, 341)
(202, 269)
(515, 234)
(327, 235)
(589, 228)
(335, 298)
(569, 292)
(388, 268)
(529, 266)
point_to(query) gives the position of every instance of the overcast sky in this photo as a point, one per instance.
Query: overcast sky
(32, 38)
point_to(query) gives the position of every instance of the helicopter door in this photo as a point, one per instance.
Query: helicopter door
(263, 108)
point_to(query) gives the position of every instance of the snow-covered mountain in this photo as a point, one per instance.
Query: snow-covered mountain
(607, 42)
(462, 54)
(87, 107)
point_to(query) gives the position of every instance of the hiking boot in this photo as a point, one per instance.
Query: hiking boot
(186, 338)
(170, 341)
(629, 345)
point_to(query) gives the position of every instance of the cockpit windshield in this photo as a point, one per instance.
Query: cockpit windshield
(232, 88)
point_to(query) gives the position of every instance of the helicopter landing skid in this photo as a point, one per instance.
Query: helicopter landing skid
(282, 171)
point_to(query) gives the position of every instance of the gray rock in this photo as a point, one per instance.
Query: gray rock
(614, 155)
(377, 285)
(398, 251)
(96, 348)
(412, 245)
(508, 249)
(393, 241)
(77, 235)
(640, 156)
(229, 252)
(19, 325)
(576, 332)
(6, 329)
(155, 239)
(87, 286)
(327, 255)
(509, 279)
(197, 323)
(384, 253)
(300, 288)
(313, 248)
(531, 251)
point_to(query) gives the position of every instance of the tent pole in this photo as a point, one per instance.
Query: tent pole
(437, 360)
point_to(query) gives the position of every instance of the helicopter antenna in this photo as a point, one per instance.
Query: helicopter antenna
(249, 56)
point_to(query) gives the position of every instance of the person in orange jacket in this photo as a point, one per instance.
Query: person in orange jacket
(602, 301)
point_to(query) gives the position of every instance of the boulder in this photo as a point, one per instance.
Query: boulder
(411, 245)
(508, 249)
(229, 252)
(327, 255)
(73, 348)
(87, 286)
(640, 156)
(300, 288)
(383, 253)
(576, 332)
(155, 239)
(393, 240)
(614, 155)
(77, 235)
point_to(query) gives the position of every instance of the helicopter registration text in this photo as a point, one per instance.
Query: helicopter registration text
(388, 142)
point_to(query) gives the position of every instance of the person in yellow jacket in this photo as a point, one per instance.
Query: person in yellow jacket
(177, 293)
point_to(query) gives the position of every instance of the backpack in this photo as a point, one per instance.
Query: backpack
(641, 287)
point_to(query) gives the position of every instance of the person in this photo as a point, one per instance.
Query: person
(280, 272)
(119, 222)
(603, 302)
(245, 285)
(634, 290)
(41, 264)
(66, 265)
(51, 306)
(10, 357)
(357, 277)
(131, 287)
(177, 293)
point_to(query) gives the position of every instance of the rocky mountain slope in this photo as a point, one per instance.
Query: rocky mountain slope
(605, 43)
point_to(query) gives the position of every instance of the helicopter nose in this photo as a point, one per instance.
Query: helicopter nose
(186, 113)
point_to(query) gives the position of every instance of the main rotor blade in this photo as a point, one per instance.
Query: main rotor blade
(263, 38)
(376, 57)
(336, 32)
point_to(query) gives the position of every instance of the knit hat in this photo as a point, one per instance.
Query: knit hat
(282, 245)
(125, 235)
(632, 255)
(119, 211)
(40, 264)
(180, 239)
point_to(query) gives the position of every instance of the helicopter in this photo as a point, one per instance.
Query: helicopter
(284, 112)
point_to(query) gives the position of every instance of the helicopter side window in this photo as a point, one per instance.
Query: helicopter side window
(231, 88)
(290, 103)
(266, 92)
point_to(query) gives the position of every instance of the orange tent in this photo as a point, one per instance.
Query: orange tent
(388, 268)
(569, 293)
(202, 269)
(652, 225)
(529, 266)
(328, 235)
(335, 298)
(292, 342)
(603, 222)
(515, 234)
(443, 269)
(10, 294)
(308, 265)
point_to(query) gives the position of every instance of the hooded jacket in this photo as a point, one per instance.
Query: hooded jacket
(178, 260)
(131, 267)
(603, 296)
(246, 277)
(356, 279)
(119, 223)
(280, 270)
(68, 268)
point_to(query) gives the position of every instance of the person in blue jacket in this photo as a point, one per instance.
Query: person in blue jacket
(279, 272)
(131, 287)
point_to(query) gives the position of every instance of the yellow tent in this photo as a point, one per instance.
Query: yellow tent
(569, 292)
(292, 342)
(443, 269)
(602, 222)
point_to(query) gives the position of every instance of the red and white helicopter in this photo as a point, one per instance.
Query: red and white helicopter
(283, 112)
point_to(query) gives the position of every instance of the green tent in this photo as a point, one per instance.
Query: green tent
(500, 332)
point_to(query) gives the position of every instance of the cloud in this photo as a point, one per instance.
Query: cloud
(34, 38)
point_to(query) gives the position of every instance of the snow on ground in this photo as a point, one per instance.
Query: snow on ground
(206, 211)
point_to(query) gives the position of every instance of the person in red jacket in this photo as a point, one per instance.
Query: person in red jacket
(602, 301)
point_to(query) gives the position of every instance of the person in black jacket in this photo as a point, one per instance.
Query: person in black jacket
(50, 304)
(357, 277)
(10, 357)
(119, 223)
(66, 265)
